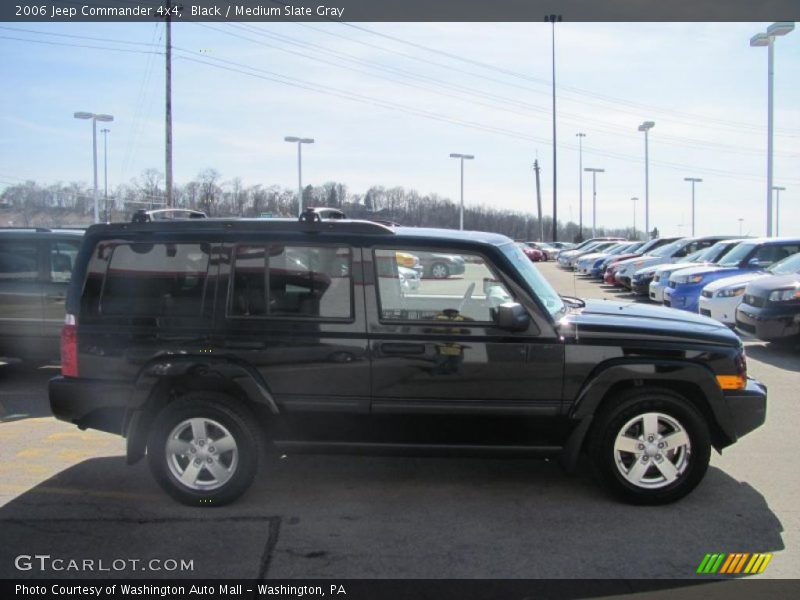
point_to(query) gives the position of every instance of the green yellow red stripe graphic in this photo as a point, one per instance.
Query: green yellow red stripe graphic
(736, 563)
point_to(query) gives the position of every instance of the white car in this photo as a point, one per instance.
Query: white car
(409, 279)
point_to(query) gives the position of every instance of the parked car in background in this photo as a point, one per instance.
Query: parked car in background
(550, 252)
(719, 299)
(589, 264)
(770, 308)
(666, 254)
(409, 279)
(702, 257)
(166, 214)
(35, 270)
(686, 285)
(565, 255)
(440, 266)
(534, 254)
(611, 265)
(594, 247)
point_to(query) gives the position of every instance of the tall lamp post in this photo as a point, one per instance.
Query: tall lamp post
(768, 39)
(741, 220)
(580, 137)
(646, 127)
(552, 19)
(462, 157)
(693, 181)
(634, 200)
(299, 141)
(105, 132)
(594, 173)
(778, 189)
(95, 118)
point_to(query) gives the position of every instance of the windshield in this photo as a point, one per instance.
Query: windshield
(669, 249)
(737, 255)
(538, 284)
(718, 250)
(695, 256)
(645, 248)
(787, 266)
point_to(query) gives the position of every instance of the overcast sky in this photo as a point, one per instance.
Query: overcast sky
(387, 104)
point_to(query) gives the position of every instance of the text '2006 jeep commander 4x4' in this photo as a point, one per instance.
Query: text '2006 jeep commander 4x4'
(203, 341)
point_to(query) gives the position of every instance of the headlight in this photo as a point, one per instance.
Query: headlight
(688, 279)
(784, 295)
(730, 292)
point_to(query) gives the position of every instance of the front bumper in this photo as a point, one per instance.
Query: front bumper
(641, 286)
(656, 291)
(90, 403)
(719, 309)
(767, 323)
(684, 297)
(748, 407)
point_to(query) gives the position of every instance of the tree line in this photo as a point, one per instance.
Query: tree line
(64, 204)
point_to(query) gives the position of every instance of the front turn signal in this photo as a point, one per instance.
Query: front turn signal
(732, 382)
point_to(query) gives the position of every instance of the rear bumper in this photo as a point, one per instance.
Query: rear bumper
(748, 407)
(89, 403)
(767, 323)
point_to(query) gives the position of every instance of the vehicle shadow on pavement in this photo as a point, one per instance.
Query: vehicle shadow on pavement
(386, 517)
(784, 355)
(23, 391)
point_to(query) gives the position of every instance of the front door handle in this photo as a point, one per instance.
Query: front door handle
(402, 349)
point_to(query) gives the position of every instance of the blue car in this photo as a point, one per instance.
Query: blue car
(686, 285)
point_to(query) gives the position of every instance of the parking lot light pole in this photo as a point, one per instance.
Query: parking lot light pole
(768, 39)
(594, 173)
(693, 180)
(462, 157)
(634, 200)
(646, 127)
(105, 132)
(580, 137)
(778, 189)
(95, 118)
(299, 141)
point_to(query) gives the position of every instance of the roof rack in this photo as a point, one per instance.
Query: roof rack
(37, 229)
(254, 225)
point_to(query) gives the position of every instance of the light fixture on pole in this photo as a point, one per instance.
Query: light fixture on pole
(768, 39)
(580, 137)
(105, 132)
(778, 189)
(552, 19)
(95, 118)
(463, 157)
(634, 200)
(594, 173)
(646, 127)
(299, 141)
(741, 220)
(693, 180)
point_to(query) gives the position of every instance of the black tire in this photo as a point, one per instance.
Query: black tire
(240, 464)
(442, 272)
(692, 461)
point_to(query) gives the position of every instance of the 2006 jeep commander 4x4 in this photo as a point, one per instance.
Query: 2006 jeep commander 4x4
(204, 341)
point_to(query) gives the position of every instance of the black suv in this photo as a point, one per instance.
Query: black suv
(35, 269)
(201, 342)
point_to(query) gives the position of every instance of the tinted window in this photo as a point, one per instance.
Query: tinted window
(771, 253)
(787, 266)
(18, 260)
(302, 281)
(62, 260)
(467, 297)
(155, 280)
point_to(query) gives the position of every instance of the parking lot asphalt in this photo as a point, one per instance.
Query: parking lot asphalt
(68, 493)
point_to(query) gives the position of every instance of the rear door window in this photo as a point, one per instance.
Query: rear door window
(19, 260)
(292, 281)
(62, 260)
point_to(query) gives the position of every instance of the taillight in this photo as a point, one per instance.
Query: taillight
(69, 347)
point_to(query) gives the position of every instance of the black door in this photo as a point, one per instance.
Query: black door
(435, 346)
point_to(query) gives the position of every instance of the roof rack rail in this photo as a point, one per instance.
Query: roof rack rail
(256, 225)
(32, 228)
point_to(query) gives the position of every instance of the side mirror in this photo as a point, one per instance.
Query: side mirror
(753, 263)
(512, 317)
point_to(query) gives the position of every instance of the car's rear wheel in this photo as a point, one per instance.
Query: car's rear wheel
(650, 446)
(204, 449)
(440, 271)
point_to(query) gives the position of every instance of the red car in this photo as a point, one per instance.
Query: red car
(534, 254)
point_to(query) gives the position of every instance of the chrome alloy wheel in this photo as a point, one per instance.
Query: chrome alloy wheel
(439, 271)
(652, 450)
(201, 454)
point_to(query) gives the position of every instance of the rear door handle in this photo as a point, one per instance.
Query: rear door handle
(404, 349)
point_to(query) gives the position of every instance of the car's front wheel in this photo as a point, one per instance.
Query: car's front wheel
(440, 271)
(651, 446)
(204, 448)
